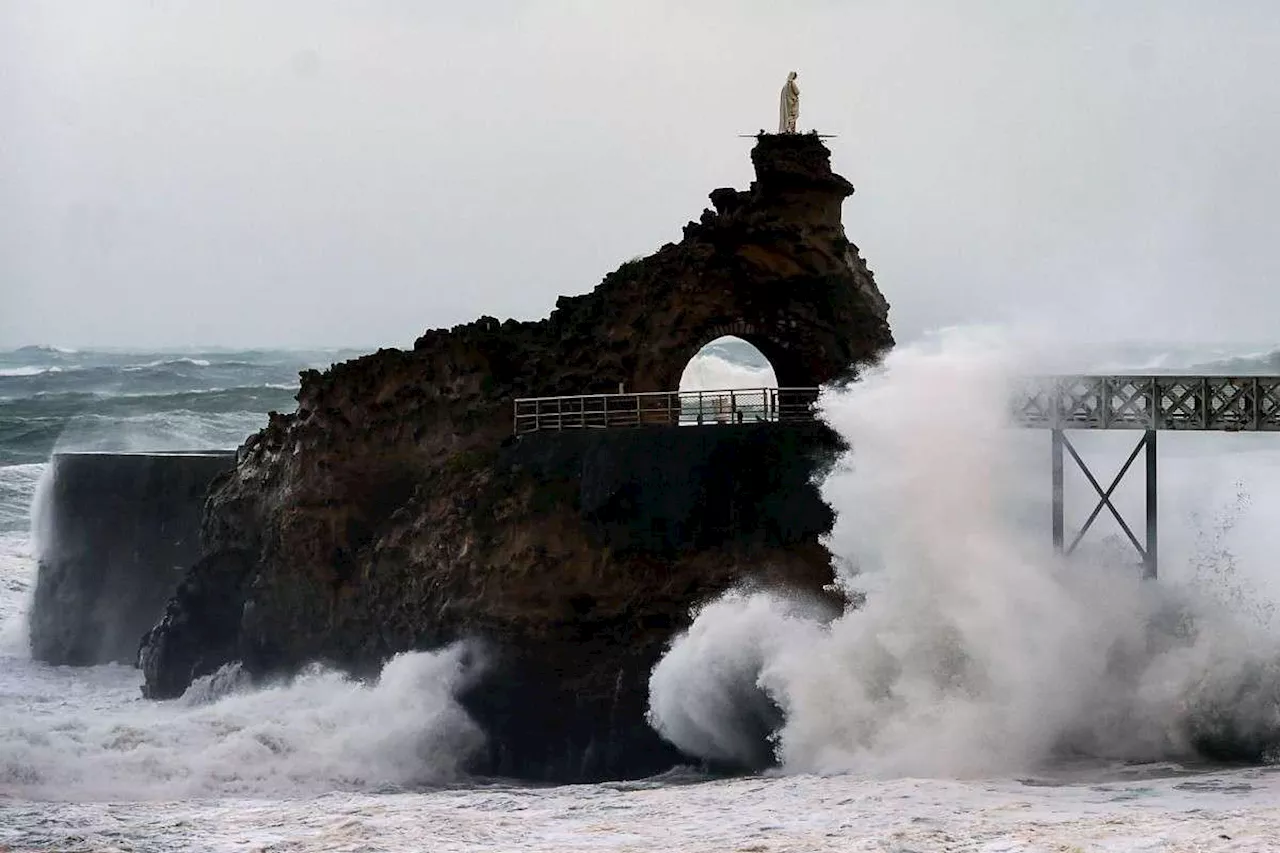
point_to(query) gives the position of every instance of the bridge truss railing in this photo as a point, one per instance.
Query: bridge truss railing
(665, 408)
(1148, 403)
(1224, 403)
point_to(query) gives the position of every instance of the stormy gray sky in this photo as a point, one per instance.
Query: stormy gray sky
(326, 173)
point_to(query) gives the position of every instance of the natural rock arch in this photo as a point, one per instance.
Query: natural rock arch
(771, 265)
(788, 369)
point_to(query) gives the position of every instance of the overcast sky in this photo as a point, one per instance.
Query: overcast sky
(330, 173)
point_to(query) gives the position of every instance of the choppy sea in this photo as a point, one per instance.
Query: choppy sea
(987, 697)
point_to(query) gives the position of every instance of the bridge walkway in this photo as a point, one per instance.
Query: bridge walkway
(665, 408)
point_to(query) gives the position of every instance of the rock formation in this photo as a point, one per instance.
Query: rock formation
(395, 511)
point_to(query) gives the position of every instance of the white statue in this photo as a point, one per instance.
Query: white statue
(789, 105)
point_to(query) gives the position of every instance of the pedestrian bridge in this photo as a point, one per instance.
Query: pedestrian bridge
(1149, 403)
(1155, 402)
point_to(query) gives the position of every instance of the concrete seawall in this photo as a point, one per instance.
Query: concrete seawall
(115, 532)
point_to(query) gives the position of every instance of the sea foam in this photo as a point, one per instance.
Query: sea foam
(85, 735)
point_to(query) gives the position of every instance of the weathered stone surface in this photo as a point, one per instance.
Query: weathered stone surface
(118, 530)
(393, 510)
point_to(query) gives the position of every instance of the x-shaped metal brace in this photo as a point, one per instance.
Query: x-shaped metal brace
(1148, 552)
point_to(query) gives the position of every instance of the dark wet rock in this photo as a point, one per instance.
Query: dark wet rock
(199, 630)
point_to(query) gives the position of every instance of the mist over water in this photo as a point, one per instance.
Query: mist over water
(976, 651)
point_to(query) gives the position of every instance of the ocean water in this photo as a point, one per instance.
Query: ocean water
(986, 697)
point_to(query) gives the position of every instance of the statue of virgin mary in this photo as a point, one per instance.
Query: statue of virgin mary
(789, 105)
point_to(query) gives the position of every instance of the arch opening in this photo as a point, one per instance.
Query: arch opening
(726, 363)
(728, 381)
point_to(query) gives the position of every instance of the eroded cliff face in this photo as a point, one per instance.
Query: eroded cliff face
(394, 511)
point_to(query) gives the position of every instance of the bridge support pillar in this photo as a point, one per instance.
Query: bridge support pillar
(1058, 511)
(1149, 551)
(1150, 557)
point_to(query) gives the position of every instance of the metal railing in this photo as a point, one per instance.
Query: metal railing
(1228, 403)
(665, 408)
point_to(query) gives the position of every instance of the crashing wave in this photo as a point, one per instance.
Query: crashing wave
(974, 651)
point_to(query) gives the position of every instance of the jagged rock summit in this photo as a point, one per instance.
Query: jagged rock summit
(394, 510)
